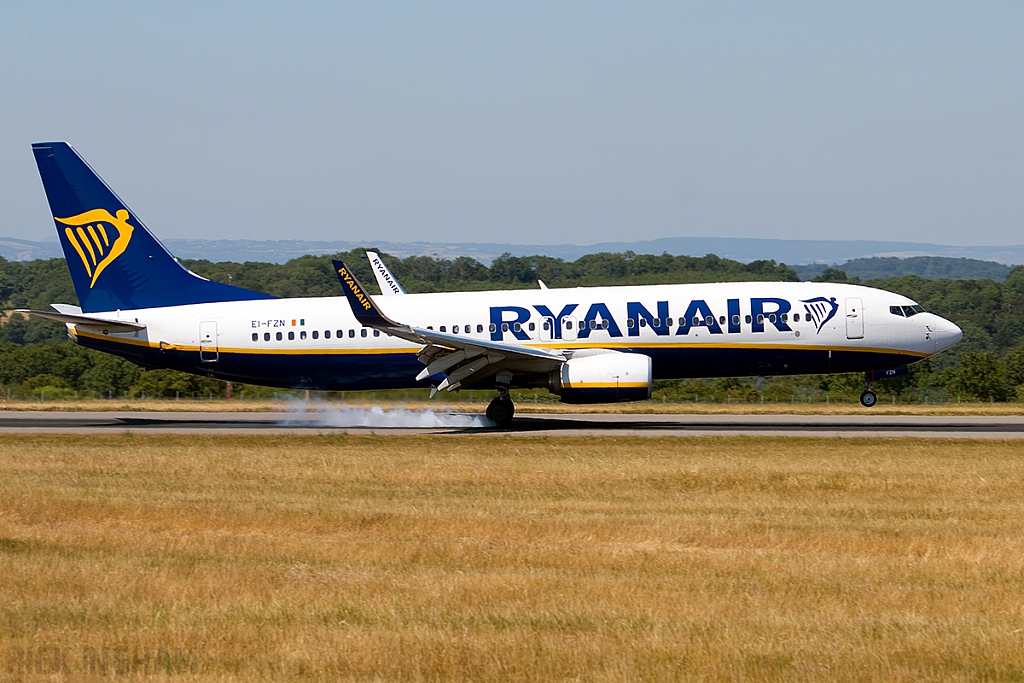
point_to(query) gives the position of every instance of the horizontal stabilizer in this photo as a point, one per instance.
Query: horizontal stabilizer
(86, 321)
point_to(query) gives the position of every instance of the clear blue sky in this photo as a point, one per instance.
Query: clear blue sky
(526, 122)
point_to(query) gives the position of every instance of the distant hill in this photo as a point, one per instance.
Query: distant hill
(14, 249)
(744, 250)
(929, 267)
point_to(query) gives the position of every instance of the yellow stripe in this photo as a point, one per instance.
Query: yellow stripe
(92, 233)
(392, 350)
(724, 345)
(78, 248)
(85, 241)
(608, 385)
(248, 351)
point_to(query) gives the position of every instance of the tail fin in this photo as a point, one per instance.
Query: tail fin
(115, 262)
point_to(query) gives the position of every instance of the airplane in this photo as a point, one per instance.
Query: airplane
(585, 344)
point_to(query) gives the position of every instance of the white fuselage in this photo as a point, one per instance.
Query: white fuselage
(737, 329)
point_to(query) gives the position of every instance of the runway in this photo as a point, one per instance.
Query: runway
(575, 425)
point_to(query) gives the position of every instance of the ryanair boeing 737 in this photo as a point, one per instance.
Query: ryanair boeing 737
(585, 344)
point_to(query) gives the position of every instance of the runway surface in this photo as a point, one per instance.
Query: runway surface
(366, 422)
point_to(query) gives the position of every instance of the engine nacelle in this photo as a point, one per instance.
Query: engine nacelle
(603, 378)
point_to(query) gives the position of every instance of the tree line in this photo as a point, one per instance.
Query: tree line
(987, 365)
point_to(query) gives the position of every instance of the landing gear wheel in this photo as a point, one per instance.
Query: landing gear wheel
(501, 410)
(868, 399)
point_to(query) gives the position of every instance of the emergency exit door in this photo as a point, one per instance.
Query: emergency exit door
(854, 318)
(208, 352)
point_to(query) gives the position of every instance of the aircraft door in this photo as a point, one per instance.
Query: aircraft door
(208, 352)
(569, 328)
(854, 318)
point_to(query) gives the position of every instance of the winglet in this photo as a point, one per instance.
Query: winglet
(385, 280)
(363, 308)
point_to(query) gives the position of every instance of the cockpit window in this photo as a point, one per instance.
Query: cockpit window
(913, 310)
(896, 310)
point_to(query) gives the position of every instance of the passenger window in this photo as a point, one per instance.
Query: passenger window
(643, 322)
(709, 321)
(796, 317)
(291, 336)
(696, 320)
(896, 310)
(362, 332)
(479, 328)
(721, 320)
(376, 333)
(316, 335)
(302, 334)
(533, 326)
(467, 329)
(736, 319)
(516, 327)
(504, 327)
(668, 321)
(568, 324)
(604, 324)
(278, 336)
(255, 336)
(443, 329)
(784, 317)
(630, 324)
(430, 327)
(771, 317)
(266, 336)
(351, 333)
(748, 319)
(327, 334)
(547, 325)
(492, 328)
(760, 318)
(656, 322)
(593, 324)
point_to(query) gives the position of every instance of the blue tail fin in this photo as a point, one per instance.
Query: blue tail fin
(115, 262)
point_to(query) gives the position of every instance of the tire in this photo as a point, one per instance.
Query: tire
(868, 399)
(500, 411)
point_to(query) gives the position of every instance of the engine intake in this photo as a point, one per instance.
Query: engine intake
(608, 377)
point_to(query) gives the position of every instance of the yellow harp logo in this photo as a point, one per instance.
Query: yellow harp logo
(88, 234)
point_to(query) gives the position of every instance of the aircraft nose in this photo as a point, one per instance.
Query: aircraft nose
(947, 334)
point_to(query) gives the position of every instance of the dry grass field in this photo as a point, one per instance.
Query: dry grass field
(486, 558)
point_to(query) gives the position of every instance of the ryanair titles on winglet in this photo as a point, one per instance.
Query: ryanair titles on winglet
(698, 314)
(356, 291)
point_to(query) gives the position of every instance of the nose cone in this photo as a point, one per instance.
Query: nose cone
(946, 334)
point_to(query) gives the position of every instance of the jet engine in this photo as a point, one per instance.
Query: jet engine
(606, 377)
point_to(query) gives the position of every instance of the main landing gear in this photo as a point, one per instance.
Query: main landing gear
(501, 410)
(868, 398)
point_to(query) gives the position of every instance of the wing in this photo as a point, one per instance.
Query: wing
(464, 361)
(87, 321)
